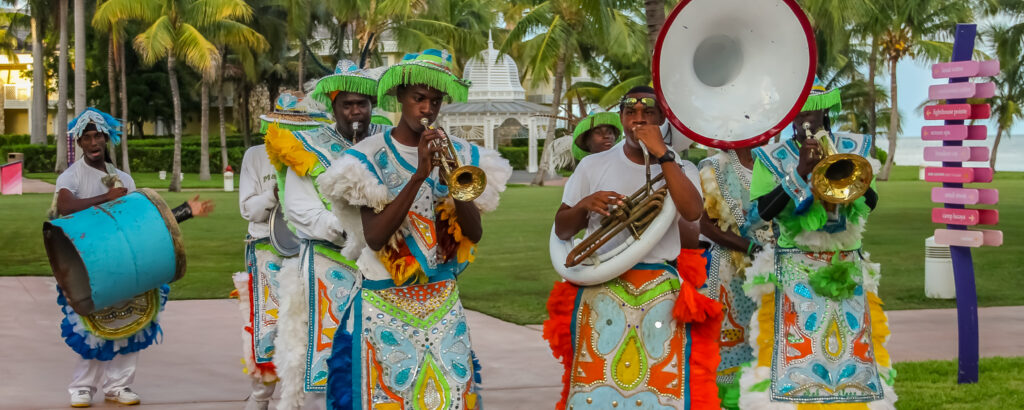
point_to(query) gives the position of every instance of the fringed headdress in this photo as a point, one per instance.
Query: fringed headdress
(293, 113)
(822, 98)
(347, 77)
(432, 68)
(103, 122)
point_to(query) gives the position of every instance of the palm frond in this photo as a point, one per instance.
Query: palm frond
(197, 51)
(156, 41)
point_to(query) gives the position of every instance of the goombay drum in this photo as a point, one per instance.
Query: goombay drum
(114, 251)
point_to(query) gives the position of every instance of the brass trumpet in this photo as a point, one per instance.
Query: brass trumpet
(636, 214)
(838, 178)
(465, 182)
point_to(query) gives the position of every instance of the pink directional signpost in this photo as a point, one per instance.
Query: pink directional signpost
(953, 195)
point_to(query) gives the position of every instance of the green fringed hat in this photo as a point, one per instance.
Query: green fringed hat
(347, 77)
(291, 112)
(590, 122)
(380, 120)
(432, 68)
(822, 98)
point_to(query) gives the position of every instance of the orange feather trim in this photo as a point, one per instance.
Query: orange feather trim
(704, 359)
(558, 331)
(691, 306)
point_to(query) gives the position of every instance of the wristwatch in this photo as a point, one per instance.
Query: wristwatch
(668, 157)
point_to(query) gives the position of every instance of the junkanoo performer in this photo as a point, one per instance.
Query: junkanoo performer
(315, 292)
(108, 341)
(632, 342)
(596, 133)
(737, 233)
(258, 195)
(819, 331)
(406, 343)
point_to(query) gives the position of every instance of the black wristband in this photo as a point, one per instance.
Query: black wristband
(182, 213)
(669, 156)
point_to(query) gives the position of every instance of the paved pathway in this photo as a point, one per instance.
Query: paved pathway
(36, 186)
(197, 365)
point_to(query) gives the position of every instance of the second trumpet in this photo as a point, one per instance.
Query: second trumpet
(465, 182)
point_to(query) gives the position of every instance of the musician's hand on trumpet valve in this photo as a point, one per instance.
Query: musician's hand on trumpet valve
(810, 155)
(428, 149)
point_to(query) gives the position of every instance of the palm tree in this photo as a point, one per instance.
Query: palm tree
(566, 28)
(62, 84)
(38, 23)
(369, 19)
(460, 26)
(912, 28)
(8, 43)
(176, 30)
(116, 65)
(1008, 42)
(80, 45)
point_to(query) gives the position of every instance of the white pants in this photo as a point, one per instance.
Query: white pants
(114, 374)
(262, 391)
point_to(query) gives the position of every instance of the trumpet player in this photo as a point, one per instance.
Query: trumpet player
(634, 340)
(819, 331)
(316, 288)
(419, 212)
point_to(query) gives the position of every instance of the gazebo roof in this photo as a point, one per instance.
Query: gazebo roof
(495, 107)
(494, 76)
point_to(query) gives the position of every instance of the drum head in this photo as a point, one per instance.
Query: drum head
(284, 241)
(733, 73)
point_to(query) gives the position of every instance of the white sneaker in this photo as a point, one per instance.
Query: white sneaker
(123, 396)
(81, 398)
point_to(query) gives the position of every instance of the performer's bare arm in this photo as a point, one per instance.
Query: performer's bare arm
(68, 203)
(730, 240)
(379, 227)
(684, 194)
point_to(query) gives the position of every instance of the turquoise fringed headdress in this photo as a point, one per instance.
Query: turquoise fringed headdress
(590, 122)
(347, 77)
(432, 68)
(104, 123)
(292, 113)
(822, 98)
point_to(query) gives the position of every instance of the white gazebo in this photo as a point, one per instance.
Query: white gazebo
(497, 102)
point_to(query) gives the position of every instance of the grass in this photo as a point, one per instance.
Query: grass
(932, 385)
(512, 275)
(152, 180)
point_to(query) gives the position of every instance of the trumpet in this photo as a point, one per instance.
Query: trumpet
(636, 214)
(465, 182)
(838, 178)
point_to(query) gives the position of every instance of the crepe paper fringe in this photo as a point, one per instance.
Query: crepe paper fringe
(339, 374)
(290, 343)
(92, 347)
(729, 394)
(477, 378)
(284, 149)
(558, 331)
(265, 125)
(422, 73)
(466, 248)
(836, 280)
(831, 100)
(327, 87)
(691, 306)
(704, 359)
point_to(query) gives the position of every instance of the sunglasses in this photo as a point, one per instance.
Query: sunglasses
(631, 101)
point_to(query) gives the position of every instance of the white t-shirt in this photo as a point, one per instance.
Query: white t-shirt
(86, 182)
(256, 185)
(613, 171)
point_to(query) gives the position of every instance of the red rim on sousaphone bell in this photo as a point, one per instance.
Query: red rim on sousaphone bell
(733, 73)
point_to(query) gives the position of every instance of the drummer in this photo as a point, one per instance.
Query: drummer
(107, 356)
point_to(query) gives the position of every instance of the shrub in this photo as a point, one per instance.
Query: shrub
(42, 158)
(881, 155)
(518, 156)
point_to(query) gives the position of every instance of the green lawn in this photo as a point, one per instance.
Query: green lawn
(512, 275)
(932, 385)
(152, 180)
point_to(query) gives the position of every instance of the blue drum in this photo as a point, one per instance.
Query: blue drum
(114, 251)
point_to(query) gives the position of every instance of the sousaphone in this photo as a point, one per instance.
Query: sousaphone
(728, 74)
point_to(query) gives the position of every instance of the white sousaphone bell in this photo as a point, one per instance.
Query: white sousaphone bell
(728, 74)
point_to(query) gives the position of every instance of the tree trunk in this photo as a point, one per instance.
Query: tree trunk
(172, 76)
(80, 45)
(246, 93)
(223, 126)
(556, 102)
(61, 122)
(301, 69)
(125, 162)
(655, 11)
(204, 131)
(872, 99)
(112, 88)
(894, 121)
(995, 148)
(39, 103)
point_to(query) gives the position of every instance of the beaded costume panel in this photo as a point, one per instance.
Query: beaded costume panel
(629, 351)
(332, 283)
(263, 264)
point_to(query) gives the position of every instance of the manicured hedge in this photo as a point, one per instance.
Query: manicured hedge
(518, 156)
(41, 158)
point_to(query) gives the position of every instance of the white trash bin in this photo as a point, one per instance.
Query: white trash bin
(229, 181)
(938, 271)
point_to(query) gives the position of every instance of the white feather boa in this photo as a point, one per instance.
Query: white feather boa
(821, 241)
(291, 340)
